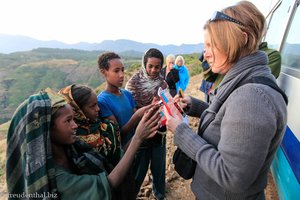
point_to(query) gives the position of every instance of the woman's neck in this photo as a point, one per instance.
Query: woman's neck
(60, 156)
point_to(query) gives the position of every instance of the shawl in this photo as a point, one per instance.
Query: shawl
(29, 163)
(143, 88)
(30, 169)
(103, 135)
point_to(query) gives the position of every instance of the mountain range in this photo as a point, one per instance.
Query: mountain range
(15, 43)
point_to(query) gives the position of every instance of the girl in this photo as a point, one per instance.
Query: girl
(144, 87)
(102, 135)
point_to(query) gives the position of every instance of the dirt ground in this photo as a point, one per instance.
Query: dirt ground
(179, 189)
(176, 187)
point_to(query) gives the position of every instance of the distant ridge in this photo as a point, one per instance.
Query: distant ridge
(15, 43)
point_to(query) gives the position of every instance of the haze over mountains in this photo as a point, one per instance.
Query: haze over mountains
(14, 43)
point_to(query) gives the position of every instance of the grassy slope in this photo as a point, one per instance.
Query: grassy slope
(24, 73)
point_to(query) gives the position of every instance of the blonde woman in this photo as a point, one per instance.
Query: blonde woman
(242, 127)
(170, 74)
(183, 74)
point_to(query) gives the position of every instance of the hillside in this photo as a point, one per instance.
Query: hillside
(24, 73)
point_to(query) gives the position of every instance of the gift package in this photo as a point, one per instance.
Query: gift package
(171, 106)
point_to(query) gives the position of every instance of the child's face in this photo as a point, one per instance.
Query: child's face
(63, 130)
(115, 73)
(91, 108)
(153, 67)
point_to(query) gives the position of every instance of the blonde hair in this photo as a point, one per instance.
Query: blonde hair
(170, 57)
(179, 58)
(234, 40)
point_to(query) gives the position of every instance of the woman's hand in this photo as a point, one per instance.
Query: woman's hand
(149, 124)
(183, 102)
(172, 122)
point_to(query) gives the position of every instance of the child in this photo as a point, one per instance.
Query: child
(102, 135)
(115, 103)
(144, 87)
(41, 134)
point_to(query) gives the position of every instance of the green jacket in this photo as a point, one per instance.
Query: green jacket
(274, 58)
(274, 64)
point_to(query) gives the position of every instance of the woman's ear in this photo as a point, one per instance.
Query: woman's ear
(245, 35)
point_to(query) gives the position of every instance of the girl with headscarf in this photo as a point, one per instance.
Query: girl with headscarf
(102, 135)
(144, 86)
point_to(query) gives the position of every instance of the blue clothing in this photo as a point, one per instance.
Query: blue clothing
(120, 106)
(183, 77)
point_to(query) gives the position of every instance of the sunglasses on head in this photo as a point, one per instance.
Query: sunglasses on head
(221, 16)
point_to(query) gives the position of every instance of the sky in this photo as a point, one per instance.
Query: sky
(71, 21)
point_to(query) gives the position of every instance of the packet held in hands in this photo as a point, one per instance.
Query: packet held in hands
(171, 106)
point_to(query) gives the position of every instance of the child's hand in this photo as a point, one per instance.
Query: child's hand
(149, 124)
(140, 112)
(155, 100)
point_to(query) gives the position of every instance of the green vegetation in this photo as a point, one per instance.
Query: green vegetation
(193, 64)
(134, 67)
(24, 73)
(3, 132)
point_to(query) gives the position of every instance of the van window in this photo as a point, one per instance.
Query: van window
(278, 21)
(291, 49)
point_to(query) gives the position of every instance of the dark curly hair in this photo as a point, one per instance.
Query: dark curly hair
(153, 53)
(104, 58)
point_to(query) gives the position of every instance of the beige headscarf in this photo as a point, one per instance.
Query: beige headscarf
(57, 100)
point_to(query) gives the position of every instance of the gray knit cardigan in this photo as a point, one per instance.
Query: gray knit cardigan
(236, 150)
